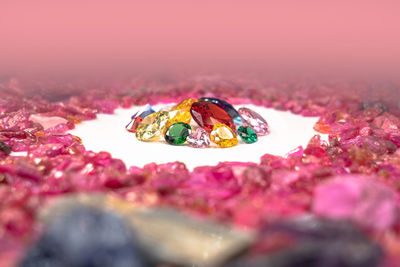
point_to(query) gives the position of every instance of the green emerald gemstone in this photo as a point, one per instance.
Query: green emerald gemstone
(247, 134)
(177, 133)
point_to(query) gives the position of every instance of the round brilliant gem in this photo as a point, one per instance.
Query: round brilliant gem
(177, 133)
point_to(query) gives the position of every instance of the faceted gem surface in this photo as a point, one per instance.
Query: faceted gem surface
(223, 136)
(152, 126)
(207, 114)
(177, 133)
(146, 111)
(132, 126)
(181, 111)
(254, 120)
(138, 118)
(247, 134)
(232, 112)
(199, 138)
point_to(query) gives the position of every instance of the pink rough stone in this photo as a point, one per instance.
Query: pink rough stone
(199, 138)
(298, 152)
(47, 122)
(15, 120)
(254, 120)
(359, 199)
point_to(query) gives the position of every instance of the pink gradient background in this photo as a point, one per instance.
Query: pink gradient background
(117, 35)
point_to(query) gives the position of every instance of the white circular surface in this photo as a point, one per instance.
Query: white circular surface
(107, 133)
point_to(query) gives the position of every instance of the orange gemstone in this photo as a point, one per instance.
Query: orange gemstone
(223, 136)
(40, 134)
(322, 127)
(74, 119)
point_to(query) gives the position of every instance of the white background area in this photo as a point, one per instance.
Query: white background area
(108, 133)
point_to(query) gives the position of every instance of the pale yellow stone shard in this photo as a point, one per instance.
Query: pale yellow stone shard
(152, 127)
(223, 136)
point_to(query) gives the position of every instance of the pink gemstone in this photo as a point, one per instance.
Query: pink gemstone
(47, 122)
(254, 120)
(358, 198)
(199, 138)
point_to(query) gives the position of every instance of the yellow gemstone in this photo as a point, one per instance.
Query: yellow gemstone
(181, 111)
(185, 104)
(152, 127)
(223, 136)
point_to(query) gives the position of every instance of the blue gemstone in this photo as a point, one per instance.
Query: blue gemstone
(146, 111)
(238, 121)
(232, 112)
(86, 237)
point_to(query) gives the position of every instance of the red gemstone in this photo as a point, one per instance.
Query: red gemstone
(207, 115)
(135, 124)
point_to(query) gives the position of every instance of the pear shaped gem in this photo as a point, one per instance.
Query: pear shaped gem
(223, 136)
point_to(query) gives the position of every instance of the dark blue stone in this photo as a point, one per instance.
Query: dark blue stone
(317, 243)
(146, 113)
(86, 237)
(148, 110)
(232, 112)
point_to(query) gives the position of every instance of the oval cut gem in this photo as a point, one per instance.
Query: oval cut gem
(254, 120)
(247, 134)
(199, 138)
(223, 136)
(177, 133)
(152, 126)
(232, 112)
(207, 114)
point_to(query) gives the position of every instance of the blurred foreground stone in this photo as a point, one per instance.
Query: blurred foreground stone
(84, 237)
(164, 235)
(313, 242)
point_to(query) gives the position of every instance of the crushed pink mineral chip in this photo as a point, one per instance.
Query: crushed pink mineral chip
(15, 120)
(358, 198)
(47, 122)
